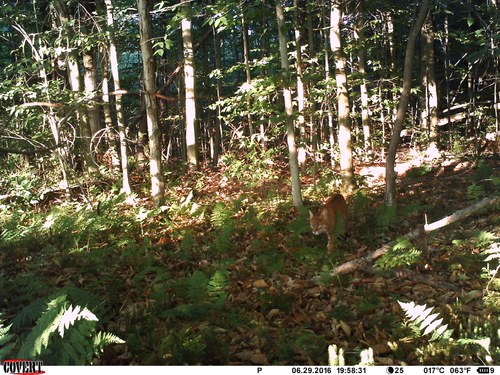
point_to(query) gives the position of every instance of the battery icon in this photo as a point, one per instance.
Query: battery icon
(483, 370)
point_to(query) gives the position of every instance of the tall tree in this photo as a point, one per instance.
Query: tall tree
(246, 57)
(346, 164)
(287, 96)
(148, 66)
(301, 98)
(430, 88)
(390, 173)
(75, 81)
(359, 32)
(187, 41)
(120, 118)
(90, 68)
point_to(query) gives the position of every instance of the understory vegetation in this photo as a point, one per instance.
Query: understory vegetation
(228, 272)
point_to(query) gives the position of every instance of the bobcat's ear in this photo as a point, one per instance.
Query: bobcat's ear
(311, 215)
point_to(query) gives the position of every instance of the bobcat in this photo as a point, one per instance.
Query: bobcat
(332, 215)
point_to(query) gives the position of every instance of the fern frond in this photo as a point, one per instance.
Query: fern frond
(220, 215)
(71, 315)
(102, 339)
(427, 323)
(38, 339)
(5, 340)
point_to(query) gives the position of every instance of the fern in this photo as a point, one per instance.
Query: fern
(71, 315)
(385, 216)
(421, 316)
(38, 338)
(403, 253)
(220, 215)
(103, 339)
(64, 334)
(6, 343)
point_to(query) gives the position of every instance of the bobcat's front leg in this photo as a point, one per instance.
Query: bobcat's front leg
(331, 244)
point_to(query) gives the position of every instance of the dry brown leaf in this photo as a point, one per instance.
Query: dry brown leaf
(381, 348)
(260, 284)
(345, 327)
(384, 361)
(259, 359)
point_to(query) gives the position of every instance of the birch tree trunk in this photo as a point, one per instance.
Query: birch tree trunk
(346, 165)
(301, 99)
(191, 133)
(363, 87)
(157, 186)
(246, 57)
(120, 118)
(431, 88)
(390, 173)
(75, 81)
(287, 96)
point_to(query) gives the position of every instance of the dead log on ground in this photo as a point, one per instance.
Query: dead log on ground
(367, 260)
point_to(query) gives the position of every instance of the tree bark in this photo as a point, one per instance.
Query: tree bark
(301, 99)
(390, 173)
(75, 81)
(157, 186)
(431, 87)
(217, 130)
(287, 96)
(246, 57)
(190, 104)
(363, 87)
(120, 118)
(346, 164)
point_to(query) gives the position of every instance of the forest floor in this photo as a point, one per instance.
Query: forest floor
(228, 272)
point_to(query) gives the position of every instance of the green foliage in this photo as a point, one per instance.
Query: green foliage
(402, 253)
(251, 164)
(64, 334)
(220, 215)
(475, 192)
(6, 342)
(200, 294)
(420, 316)
(419, 171)
(484, 170)
(385, 216)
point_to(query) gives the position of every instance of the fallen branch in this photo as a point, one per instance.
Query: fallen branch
(367, 260)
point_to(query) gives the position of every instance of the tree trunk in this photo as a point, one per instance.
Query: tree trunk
(217, 130)
(390, 173)
(157, 186)
(120, 118)
(326, 47)
(431, 89)
(75, 81)
(301, 100)
(191, 133)
(346, 165)
(363, 87)
(52, 116)
(90, 83)
(287, 96)
(246, 57)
